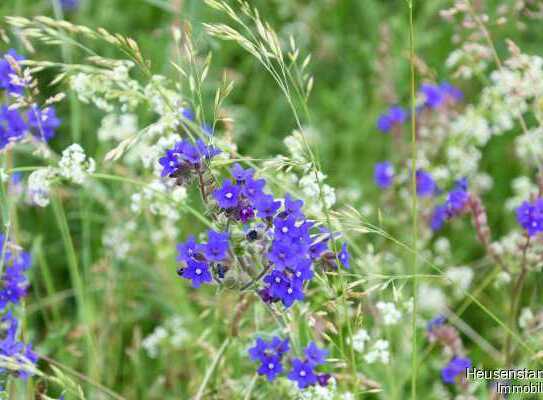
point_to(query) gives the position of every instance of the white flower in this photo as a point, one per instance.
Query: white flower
(118, 127)
(390, 314)
(75, 165)
(431, 298)
(359, 340)
(529, 147)
(526, 316)
(460, 278)
(152, 342)
(39, 185)
(378, 353)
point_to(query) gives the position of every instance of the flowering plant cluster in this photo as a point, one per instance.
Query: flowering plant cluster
(14, 262)
(15, 123)
(287, 244)
(303, 371)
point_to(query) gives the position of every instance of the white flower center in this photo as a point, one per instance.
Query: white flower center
(277, 280)
(289, 290)
(271, 365)
(302, 373)
(284, 229)
(229, 195)
(298, 274)
(198, 271)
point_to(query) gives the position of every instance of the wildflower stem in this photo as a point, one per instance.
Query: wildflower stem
(257, 278)
(516, 293)
(414, 212)
(211, 369)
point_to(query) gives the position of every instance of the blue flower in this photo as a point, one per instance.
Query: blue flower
(426, 185)
(344, 256)
(278, 283)
(69, 5)
(240, 174)
(282, 254)
(253, 189)
(433, 96)
(383, 174)
(530, 216)
(187, 114)
(451, 92)
(271, 367)
(455, 203)
(228, 195)
(197, 272)
(323, 379)
(279, 346)
(43, 121)
(435, 322)
(394, 116)
(315, 356)
(170, 163)
(14, 287)
(292, 293)
(436, 96)
(293, 207)
(303, 271)
(12, 126)
(439, 216)
(266, 206)
(455, 368)
(188, 250)
(302, 373)
(216, 246)
(6, 73)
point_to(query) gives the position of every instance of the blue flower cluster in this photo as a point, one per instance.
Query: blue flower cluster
(303, 372)
(293, 244)
(383, 174)
(455, 368)
(436, 96)
(186, 157)
(14, 288)
(455, 204)
(69, 5)
(530, 216)
(199, 259)
(15, 124)
(383, 177)
(7, 73)
(393, 117)
(290, 244)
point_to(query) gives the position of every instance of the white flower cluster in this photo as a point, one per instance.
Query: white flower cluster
(103, 87)
(389, 313)
(460, 278)
(523, 187)
(115, 238)
(118, 127)
(379, 352)
(469, 60)
(39, 186)
(172, 335)
(431, 298)
(157, 197)
(75, 165)
(529, 147)
(317, 392)
(359, 340)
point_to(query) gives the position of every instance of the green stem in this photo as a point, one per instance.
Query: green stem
(414, 211)
(211, 369)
